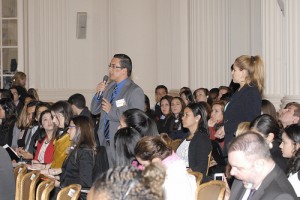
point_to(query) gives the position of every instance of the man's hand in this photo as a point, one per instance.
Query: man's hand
(101, 86)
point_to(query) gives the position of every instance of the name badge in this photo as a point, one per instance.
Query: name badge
(120, 103)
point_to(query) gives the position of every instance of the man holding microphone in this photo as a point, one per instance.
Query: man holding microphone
(112, 99)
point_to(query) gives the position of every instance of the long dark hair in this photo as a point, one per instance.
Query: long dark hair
(139, 120)
(293, 133)
(199, 109)
(84, 136)
(43, 134)
(125, 141)
(266, 124)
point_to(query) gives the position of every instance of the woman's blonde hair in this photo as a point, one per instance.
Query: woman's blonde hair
(18, 77)
(255, 68)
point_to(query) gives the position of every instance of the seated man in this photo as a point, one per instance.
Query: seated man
(257, 175)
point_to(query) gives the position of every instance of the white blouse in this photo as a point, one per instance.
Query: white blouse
(183, 152)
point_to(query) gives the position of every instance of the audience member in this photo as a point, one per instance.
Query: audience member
(160, 91)
(290, 114)
(125, 141)
(216, 121)
(290, 148)
(6, 94)
(183, 89)
(213, 96)
(242, 128)
(175, 129)
(45, 147)
(268, 108)
(268, 127)
(245, 103)
(223, 90)
(194, 150)
(187, 97)
(257, 175)
(130, 183)
(78, 105)
(178, 183)
(25, 137)
(16, 97)
(62, 113)
(8, 117)
(139, 120)
(201, 94)
(78, 167)
(33, 92)
(148, 110)
(165, 106)
(118, 96)
(19, 80)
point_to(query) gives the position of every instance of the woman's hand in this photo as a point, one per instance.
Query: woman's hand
(220, 133)
(211, 123)
(25, 154)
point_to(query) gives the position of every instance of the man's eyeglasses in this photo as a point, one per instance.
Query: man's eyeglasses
(115, 67)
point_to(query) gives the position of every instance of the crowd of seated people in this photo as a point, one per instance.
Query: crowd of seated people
(61, 141)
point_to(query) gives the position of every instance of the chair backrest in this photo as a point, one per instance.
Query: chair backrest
(71, 192)
(175, 144)
(44, 188)
(198, 176)
(208, 163)
(19, 172)
(28, 185)
(20, 168)
(212, 190)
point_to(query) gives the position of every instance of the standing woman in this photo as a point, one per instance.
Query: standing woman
(245, 103)
(8, 117)
(196, 147)
(290, 148)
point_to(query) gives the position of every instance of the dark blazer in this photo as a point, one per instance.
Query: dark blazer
(244, 106)
(274, 187)
(78, 168)
(199, 149)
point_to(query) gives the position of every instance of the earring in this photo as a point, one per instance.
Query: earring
(270, 145)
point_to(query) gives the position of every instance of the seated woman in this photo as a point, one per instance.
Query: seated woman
(139, 120)
(78, 167)
(216, 121)
(165, 106)
(175, 129)
(45, 147)
(201, 94)
(196, 147)
(178, 183)
(290, 148)
(187, 97)
(268, 127)
(125, 141)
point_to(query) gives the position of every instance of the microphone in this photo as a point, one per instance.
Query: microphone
(99, 94)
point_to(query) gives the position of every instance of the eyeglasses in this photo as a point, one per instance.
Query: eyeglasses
(71, 126)
(115, 67)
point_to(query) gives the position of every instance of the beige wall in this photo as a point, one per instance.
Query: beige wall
(171, 42)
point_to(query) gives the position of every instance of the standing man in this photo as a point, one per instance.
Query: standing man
(118, 96)
(257, 175)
